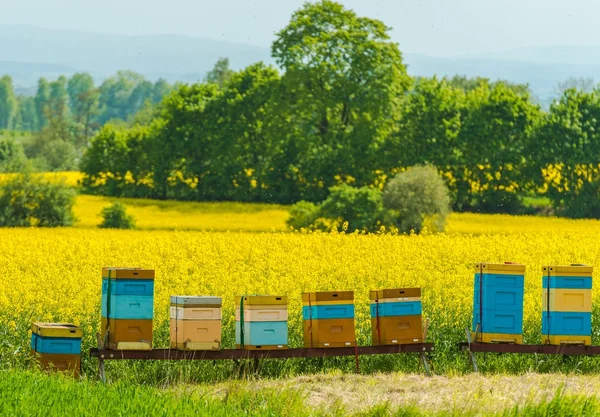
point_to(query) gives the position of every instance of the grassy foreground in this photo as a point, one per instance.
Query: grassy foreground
(33, 394)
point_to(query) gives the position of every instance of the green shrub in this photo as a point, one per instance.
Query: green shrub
(12, 155)
(303, 215)
(116, 217)
(417, 198)
(361, 207)
(27, 201)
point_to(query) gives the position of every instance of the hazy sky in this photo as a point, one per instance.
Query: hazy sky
(434, 27)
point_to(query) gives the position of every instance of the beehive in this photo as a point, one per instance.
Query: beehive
(127, 308)
(195, 322)
(328, 319)
(567, 305)
(396, 316)
(498, 303)
(261, 322)
(57, 346)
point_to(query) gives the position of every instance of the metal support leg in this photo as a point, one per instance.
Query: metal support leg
(471, 354)
(425, 364)
(101, 373)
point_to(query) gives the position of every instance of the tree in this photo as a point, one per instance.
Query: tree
(428, 128)
(220, 74)
(344, 79)
(27, 116)
(245, 145)
(84, 102)
(8, 103)
(497, 125)
(41, 99)
(564, 153)
(115, 96)
(160, 89)
(181, 144)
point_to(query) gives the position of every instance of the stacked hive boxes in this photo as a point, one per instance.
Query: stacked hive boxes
(261, 322)
(328, 319)
(498, 303)
(127, 308)
(396, 316)
(195, 322)
(567, 305)
(57, 346)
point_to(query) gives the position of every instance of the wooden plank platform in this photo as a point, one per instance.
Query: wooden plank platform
(236, 354)
(528, 349)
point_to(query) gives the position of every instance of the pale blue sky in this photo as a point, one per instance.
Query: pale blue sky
(434, 27)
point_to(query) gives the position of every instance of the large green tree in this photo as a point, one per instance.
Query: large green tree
(246, 146)
(497, 124)
(564, 154)
(344, 79)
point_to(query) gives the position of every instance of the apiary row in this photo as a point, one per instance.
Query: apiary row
(566, 304)
(127, 310)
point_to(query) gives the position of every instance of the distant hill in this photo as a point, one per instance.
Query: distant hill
(559, 54)
(29, 52)
(169, 56)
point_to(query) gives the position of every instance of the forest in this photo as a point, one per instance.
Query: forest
(339, 108)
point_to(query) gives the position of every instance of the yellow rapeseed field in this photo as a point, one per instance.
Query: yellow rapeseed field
(197, 248)
(55, 275)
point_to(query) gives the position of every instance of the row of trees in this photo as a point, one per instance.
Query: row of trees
(78, 97)
(65, 113)
(344, 111)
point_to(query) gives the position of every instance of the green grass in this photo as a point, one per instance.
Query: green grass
(36, 394)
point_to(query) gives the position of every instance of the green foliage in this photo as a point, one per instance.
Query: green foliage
(84, 104)
(12, 155)
(418, 197)
(568, 166)
(115, 162)
(8, 103)
(115, 217)
(342, 84)
(27, 201)
(361, 208)
(303, 215)
(41, 99)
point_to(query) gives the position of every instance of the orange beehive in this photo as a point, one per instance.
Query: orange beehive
(195, 322)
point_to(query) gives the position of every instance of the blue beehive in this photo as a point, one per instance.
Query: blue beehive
(498, 303)
(57, 346)
(127, 308)
(261, 322)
